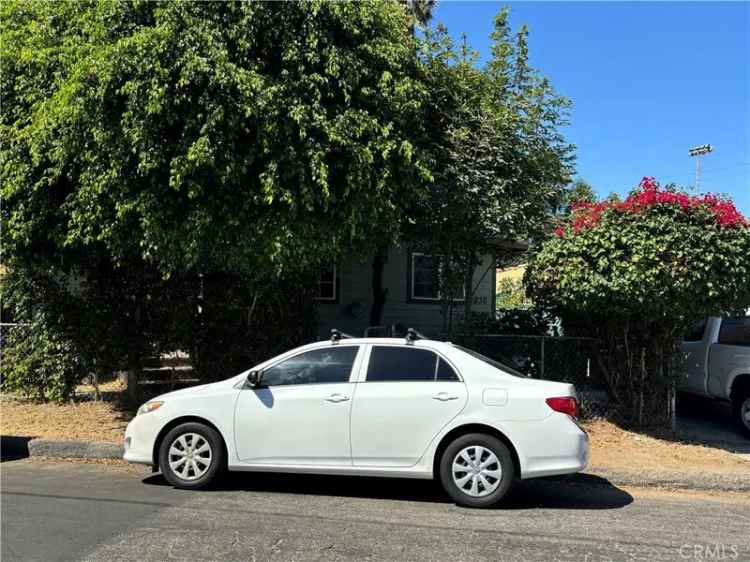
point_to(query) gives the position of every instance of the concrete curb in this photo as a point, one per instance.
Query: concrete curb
(75, 449)
(674, 480)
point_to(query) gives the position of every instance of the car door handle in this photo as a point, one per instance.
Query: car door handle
(336, 398)
(444, 396)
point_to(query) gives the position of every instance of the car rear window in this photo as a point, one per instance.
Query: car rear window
(501, 366)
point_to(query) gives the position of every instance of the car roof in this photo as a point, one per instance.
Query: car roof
(387, 341)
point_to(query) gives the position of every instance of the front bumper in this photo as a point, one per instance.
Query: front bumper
(140, 437)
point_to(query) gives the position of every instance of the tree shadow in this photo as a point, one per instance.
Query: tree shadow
(574, 492)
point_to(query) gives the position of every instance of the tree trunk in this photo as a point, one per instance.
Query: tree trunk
(468, 290)
(134, 359)
(378, 292)
(132, 383)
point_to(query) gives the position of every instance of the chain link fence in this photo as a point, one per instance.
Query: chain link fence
(561, 359)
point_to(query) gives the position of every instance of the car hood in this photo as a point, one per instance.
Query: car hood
(199, 389)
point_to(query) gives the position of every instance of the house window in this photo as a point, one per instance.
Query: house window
(327, 284)
(425, 275)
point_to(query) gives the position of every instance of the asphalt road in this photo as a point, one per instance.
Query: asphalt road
(66, 511)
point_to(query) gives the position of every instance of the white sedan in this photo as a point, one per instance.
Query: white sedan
(374, 407)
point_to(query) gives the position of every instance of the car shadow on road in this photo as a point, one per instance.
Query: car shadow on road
(572, 492)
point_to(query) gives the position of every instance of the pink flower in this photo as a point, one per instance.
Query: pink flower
(587, 215)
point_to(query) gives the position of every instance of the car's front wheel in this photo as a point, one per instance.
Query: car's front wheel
(191, 455)
(477, 470)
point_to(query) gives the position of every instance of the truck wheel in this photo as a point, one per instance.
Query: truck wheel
(742, 412)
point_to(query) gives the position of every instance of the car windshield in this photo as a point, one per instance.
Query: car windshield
(501, 366)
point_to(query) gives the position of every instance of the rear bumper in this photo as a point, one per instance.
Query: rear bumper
(559, 446)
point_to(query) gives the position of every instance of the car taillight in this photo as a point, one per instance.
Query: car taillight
(564, 405)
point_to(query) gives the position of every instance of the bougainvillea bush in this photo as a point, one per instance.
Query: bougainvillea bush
(636, 274)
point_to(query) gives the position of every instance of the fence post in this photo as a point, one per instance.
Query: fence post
(541, 361)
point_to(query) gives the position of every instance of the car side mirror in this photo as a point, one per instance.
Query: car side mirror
(254, 379)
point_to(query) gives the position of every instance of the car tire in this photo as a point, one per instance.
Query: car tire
(490, 470)
(191, 455)
(741, 405)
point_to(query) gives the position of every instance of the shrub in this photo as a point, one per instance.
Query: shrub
(39, 363)
(634, 274)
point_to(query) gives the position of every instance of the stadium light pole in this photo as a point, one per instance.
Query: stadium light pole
(697, 152)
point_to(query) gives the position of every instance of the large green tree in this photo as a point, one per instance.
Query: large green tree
(234, 136)
(497, 158)
(150, 146)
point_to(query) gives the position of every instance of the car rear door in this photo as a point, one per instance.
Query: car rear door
(408, 395)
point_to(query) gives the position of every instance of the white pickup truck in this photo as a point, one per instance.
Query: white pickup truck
(717, 363)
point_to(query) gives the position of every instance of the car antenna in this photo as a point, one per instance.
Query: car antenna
(337, 335)
(412, 335)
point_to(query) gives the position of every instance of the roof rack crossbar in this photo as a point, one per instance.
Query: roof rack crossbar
(412, 335)
(337, 335)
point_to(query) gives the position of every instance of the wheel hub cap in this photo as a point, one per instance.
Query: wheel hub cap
(190, 456)
(476, 471)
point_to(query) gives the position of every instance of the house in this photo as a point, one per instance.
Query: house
(413, 300)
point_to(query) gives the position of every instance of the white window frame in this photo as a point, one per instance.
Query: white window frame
(334, 298)
(439, 297)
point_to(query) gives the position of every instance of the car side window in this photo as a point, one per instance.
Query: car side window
(696, 331)
(445, 372)
(389, 363)
(327, 365)
(735, 331)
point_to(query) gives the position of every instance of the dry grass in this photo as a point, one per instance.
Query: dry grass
(615, 448)
(95, 421)
(115, 385)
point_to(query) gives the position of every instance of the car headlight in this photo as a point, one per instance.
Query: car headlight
(149, 407)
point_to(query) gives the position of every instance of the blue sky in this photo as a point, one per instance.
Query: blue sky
(648, 80)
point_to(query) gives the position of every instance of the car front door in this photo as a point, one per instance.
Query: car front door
(300, 413)
(409, 394)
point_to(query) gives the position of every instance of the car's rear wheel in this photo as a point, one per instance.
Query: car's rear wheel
(191, 455)
(477, 470)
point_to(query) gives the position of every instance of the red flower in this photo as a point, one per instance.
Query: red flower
(587, 215)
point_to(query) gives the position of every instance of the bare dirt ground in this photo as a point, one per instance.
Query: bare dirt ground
(615, 448)
(88, 421)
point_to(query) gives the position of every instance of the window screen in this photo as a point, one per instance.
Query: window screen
(424, 277)
(327, 283)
